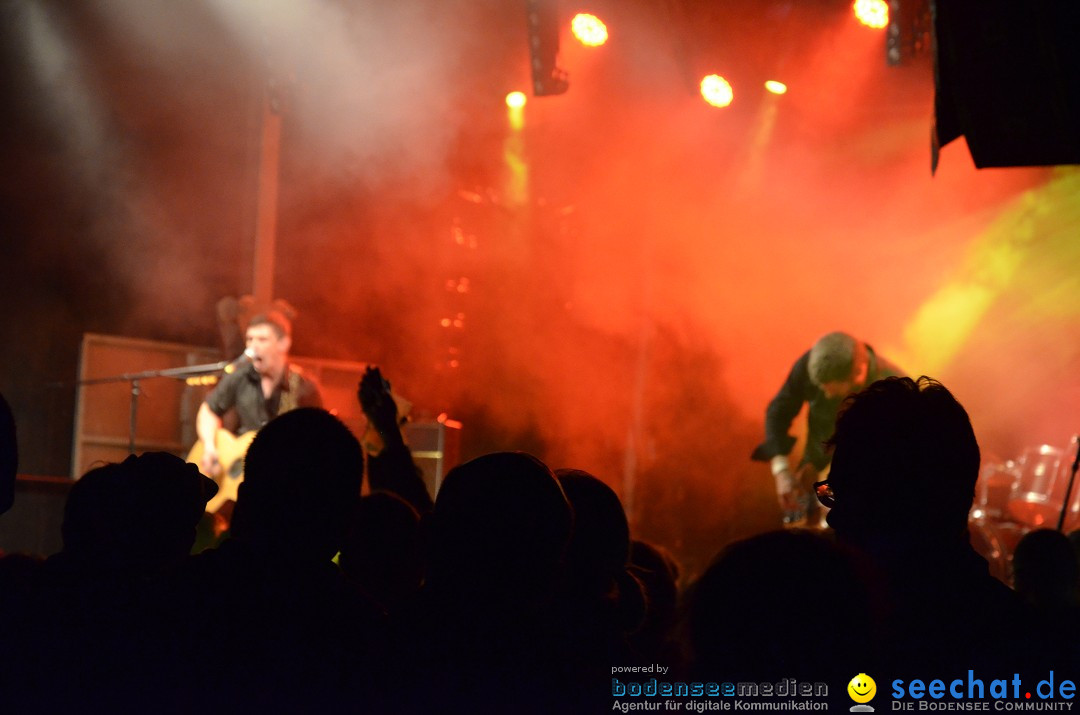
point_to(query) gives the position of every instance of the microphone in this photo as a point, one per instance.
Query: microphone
(245, 358)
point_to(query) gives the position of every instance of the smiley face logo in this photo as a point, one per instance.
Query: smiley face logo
(862, 688)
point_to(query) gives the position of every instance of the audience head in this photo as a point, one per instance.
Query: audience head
(302, 478)
(658, 572)
(9, 456)
(749, 612)
(382, 549)
(1074, 541)
(500, 526)
(138, 514)
(904, 464)
(1045, 569)
(599, 548)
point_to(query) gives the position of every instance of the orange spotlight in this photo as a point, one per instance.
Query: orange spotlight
(872, 13)
(776, 87)
(515, 100)
(717, 91)
(589, 29)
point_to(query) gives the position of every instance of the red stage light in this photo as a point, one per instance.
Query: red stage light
(717, 91)
(589, 29)
(872, 13)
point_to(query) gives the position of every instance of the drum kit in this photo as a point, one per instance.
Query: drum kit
(1013, 497)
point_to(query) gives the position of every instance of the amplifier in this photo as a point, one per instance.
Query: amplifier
(436, 447)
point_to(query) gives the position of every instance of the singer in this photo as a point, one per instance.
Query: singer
(261, 385)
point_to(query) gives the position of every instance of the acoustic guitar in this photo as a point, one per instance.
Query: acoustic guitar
(231, 450)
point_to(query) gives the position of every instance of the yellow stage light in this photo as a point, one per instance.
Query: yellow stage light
(589, 29)
(872, 13)
(717, 91)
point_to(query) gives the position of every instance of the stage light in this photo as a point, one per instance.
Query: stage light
(872, 13)
(717, 91)
(776, 87)
(515, 110)
(589, 29)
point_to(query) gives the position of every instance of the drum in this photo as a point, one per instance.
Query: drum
(1038, 494)
(993, 489)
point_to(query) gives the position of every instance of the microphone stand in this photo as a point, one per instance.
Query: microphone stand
(179, 373)
(1069, 486)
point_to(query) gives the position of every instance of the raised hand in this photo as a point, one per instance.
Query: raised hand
(376, 401)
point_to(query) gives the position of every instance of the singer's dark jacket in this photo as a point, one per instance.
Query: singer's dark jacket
(797, 389)
(243, 390)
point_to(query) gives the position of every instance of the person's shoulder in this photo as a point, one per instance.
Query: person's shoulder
(885, 367)
(800, 369)
(299, 371)
(307, 386)
(306, 377)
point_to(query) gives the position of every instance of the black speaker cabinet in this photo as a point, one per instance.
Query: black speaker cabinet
(1008, 79)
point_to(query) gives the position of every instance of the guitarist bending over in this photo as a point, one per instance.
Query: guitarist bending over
(259, 389)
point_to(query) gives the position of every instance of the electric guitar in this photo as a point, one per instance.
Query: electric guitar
(231, 450)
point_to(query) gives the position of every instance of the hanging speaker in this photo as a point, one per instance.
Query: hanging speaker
(1007, 78)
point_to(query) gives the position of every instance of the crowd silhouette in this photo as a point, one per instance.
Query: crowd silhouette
(518, 588)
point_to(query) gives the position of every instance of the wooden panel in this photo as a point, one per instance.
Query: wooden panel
(164, 417)
(93, 453)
